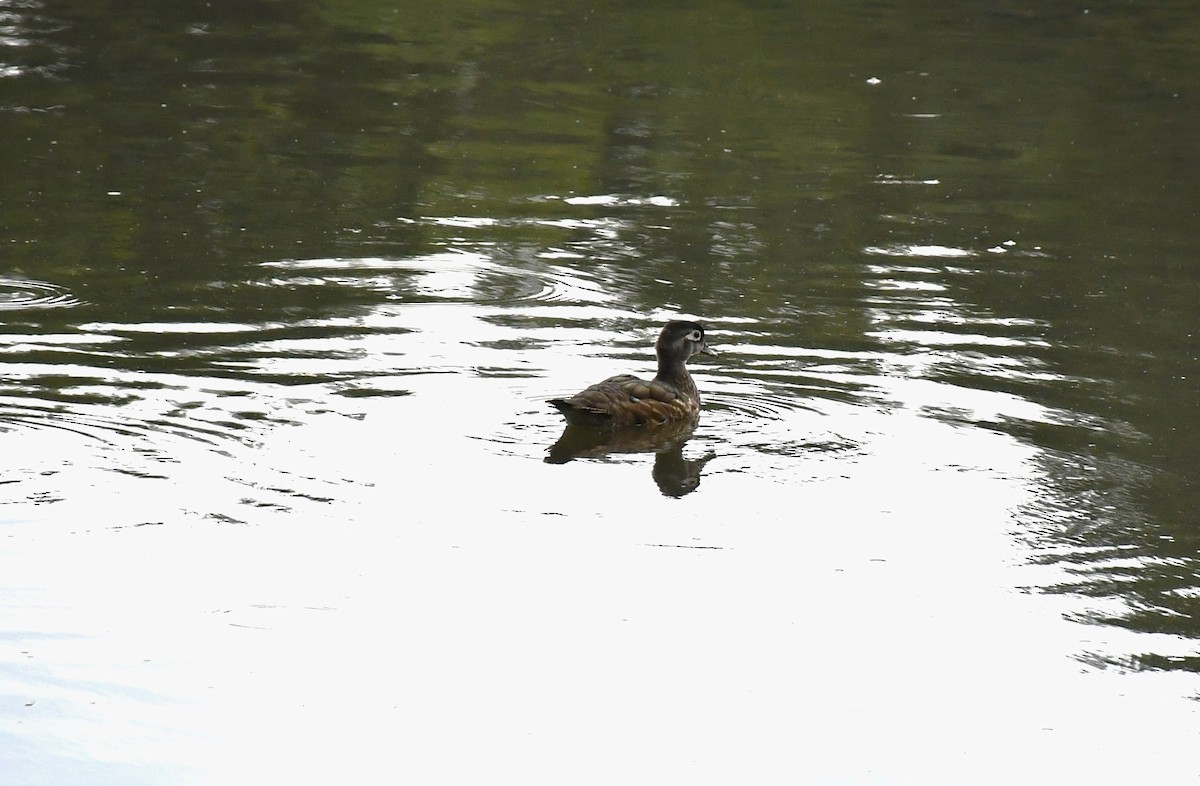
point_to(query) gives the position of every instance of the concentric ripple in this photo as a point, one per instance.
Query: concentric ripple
(102, 454)
(451, 276)
(18, 294)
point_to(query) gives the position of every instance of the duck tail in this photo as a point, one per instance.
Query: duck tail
(580, 415)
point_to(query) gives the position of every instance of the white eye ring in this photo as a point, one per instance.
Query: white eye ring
(696, 335)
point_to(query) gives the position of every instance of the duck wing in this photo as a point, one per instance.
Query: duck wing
(626, 400)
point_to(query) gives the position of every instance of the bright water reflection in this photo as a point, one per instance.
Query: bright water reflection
(285, 291)
(390, 464)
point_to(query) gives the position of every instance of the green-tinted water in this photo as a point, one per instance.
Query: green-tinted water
(284, 286)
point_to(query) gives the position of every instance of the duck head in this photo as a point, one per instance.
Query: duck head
(680, 340)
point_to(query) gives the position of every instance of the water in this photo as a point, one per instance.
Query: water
(285, 287)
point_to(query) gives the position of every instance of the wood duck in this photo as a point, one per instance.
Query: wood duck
(625, 400)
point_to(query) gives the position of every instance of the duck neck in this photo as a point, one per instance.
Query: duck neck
(674, 372)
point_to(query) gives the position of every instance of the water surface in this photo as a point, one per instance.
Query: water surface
(285, 287)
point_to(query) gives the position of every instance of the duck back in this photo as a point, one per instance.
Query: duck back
(626, 400)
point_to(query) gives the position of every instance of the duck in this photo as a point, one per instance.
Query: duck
(626, 400)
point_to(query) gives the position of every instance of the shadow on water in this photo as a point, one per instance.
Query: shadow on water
(674, 475)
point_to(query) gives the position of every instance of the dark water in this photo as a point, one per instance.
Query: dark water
(284, 286)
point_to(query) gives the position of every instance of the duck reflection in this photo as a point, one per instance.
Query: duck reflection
(674, 474)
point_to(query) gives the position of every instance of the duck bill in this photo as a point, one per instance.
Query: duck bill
(707, 350)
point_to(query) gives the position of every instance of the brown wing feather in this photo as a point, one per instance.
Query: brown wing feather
(625, 400)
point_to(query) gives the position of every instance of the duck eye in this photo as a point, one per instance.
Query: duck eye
(696, 335)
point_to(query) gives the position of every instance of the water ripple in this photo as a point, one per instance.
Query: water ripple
(18, 294)
(451, 276)
(105, 421)
(104, 460)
